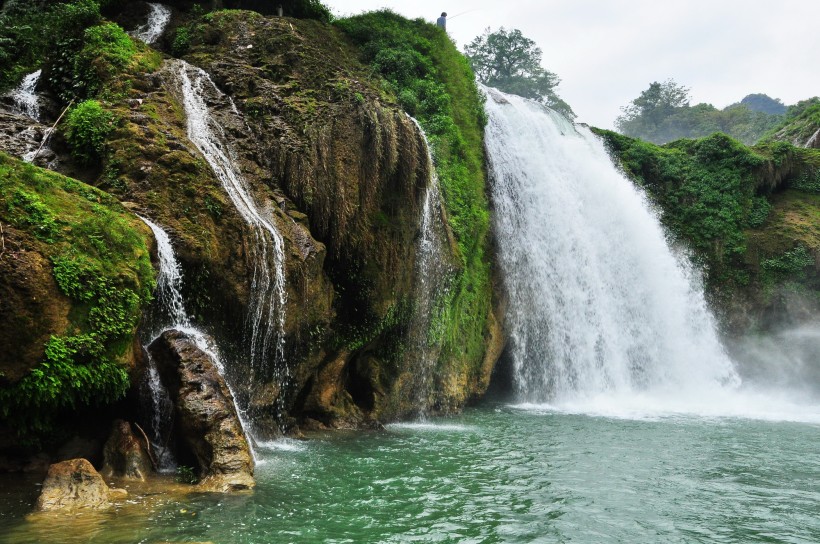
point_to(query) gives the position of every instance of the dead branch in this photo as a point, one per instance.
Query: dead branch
(50, 131)
(148, 447)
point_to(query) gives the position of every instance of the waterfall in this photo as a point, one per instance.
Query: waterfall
(25, 98)
(169, 296)
(153, 28)
(599, 305)
(432, 271)
(266, 314)
(813, 140)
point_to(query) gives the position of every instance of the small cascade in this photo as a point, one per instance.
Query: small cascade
(813, 141)
(158, 19)
(266, 314)
(25, 97)
(432, 270)
(169, 296)
(161, 419)
(599, 305)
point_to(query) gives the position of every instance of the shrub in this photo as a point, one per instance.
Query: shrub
(107, 51)
(87, 128)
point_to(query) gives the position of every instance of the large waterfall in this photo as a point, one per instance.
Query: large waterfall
(599, 304)
(266, 315)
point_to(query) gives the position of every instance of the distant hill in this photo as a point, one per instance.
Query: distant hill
(764, 104)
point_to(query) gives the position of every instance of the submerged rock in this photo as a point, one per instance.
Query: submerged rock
(205, 417)
(125, 454)
(73, 484)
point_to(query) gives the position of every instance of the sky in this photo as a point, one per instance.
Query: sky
(607, 51)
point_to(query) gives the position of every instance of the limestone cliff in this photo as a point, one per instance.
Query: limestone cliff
(336, 167)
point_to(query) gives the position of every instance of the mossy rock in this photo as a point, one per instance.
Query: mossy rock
(78, 278)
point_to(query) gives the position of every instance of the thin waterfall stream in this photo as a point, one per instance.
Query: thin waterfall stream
(26, 100)
(432, 270)
(174, 316)
(600, 307)
(265, 245)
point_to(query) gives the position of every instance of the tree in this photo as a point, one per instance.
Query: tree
(643, 117)
(511, 62)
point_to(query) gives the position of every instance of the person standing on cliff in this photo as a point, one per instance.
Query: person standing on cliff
(441, 22)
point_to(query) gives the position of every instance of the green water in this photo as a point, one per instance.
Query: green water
(494, 474)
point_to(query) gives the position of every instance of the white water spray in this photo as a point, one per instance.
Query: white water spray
(158, 19)
(169, 295)
(25, 96)
(599, 305)
(266, 320)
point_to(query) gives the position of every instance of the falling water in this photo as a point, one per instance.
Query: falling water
(432, 270)
(266, 316)
(153, 28)
(169, 295)
(25, 98)
(599, 305)
(813, 140)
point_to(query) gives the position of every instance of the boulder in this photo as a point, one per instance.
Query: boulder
(125, 454)
(205, 416)
(73, 484)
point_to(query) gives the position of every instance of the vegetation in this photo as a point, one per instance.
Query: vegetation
(714, 195)
(300, 9)
(434, 83)
(87, 127)
(511, 62)
(801, 123)
(100, 261)
(662, 113)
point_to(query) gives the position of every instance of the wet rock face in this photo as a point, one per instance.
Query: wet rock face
(73, 484)
(206, 421)
(125, 454)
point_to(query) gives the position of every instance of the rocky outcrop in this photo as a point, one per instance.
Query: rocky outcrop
(72, 485)
(208, 427)
(125, 454)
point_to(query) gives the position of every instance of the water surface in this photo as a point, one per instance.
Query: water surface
(494, 474)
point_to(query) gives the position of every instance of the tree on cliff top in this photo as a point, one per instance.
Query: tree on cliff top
(511, 62)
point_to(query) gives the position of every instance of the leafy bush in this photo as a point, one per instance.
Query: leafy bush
(791, 264)
(182, 41)
(87, 127)
(107, 51)
(759, 212)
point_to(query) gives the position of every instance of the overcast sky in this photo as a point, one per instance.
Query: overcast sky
(607, 51)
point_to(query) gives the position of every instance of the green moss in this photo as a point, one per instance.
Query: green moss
(101, 262)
